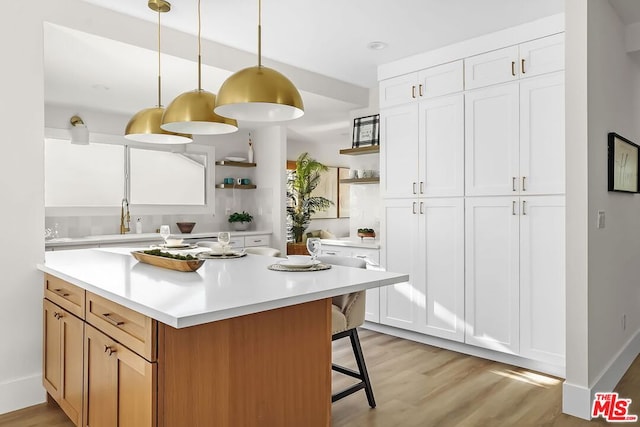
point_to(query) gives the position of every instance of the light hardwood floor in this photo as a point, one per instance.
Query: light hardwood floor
(419, 385)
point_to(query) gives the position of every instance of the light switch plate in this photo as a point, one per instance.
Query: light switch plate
(600, 221)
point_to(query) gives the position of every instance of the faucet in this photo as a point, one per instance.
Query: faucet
(124, 216)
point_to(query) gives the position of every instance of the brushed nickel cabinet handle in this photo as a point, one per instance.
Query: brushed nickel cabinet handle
(114, 319)
(513, 207)
(62, 292)
(421, 187)
(361, 256)
(414, 208)
(524, 207)
(522, 66)
(109, 350)
(421, 208)
(413, 91)
(414, 188)
(524, 183)
(513, 68)
(420, 89)
(331, 253)
(513, 183)
(57, 315)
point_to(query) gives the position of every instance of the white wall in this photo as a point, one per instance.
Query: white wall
(602, 264)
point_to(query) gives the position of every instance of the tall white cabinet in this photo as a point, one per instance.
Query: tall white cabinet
(472, 181)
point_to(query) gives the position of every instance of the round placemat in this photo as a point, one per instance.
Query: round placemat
(316, 267)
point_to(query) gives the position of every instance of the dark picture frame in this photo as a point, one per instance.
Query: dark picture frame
(623, 158)
(366, 131)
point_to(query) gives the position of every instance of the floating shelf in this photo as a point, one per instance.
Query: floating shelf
(370, 149)
(236, 186)
(237, 164)
(360, 181)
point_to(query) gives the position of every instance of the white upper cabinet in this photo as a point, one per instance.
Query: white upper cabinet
(428, 83)
(491, 141)
(541, 56)
(542, 158)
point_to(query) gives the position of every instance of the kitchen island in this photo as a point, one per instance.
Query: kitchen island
(233, 343)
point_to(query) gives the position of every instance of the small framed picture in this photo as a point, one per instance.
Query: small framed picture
(366, 131)
(623, 164)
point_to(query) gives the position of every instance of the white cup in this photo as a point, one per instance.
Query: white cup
(353, 173)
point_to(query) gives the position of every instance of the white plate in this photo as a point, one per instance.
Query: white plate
(235, 159)
(180, 246)
(298, 263)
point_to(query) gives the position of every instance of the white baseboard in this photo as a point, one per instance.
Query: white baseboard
(577, 400)
(20, 393)
(557, 371)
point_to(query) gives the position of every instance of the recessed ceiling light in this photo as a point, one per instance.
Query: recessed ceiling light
(377, 45)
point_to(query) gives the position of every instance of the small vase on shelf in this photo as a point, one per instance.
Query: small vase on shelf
(250, 152)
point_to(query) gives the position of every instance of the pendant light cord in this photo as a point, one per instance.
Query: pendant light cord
(199, 52)
(159, 78)
(259, 33)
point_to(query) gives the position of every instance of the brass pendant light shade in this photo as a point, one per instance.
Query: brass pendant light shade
(192, 112)
(259, 94)
(144, 126)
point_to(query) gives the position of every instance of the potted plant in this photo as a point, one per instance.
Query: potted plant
(240, 220)
(301, 204)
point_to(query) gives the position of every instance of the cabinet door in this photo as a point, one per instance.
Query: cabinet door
(120, 386)
(489, 68)
(372, 308)
(399, 151)
(441, 80)
(398, 90)
(491, 141)
(399, 303)
(542, 56)
(443, 241)
(542, 278)
(62, 374)
(442, 146)
(542, 157)
(491, 259)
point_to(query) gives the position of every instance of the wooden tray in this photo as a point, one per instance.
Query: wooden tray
(170, 263)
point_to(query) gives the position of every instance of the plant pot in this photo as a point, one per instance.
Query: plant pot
(240, 226)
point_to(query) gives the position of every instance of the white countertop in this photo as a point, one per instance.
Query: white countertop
(220, 289)
(354, 242)
(133, 237)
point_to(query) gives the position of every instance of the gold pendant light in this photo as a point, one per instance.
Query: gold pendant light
(192, 112)
(144, 126)
(259, 94)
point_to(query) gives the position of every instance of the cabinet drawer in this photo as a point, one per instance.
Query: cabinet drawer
(130, 328)
(336, 250)
(257, 240)
(236, 242)
(66, 295)
(370, 255)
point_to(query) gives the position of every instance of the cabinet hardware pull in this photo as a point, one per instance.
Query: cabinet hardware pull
(62, 292)
(109, 350)
(330, 253)
(421, 208)
(414, 208)
(421, 187)
(413, 91)
(524, 207)
(524, 180)
(513, 68)
(113, 319)
(522, 66)
(414, 188)
(257, 241)
(361, 256)
(57, 315)
(420, 89)
(513, 183)
(513, 207)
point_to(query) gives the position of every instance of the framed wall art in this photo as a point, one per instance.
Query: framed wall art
(366, 131)
(623, 164)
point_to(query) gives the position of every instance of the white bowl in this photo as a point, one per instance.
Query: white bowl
(174, 242)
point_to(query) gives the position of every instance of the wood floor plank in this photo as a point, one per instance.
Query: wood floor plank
(416, 385)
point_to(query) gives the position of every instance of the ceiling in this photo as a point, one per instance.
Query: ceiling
(327, 38)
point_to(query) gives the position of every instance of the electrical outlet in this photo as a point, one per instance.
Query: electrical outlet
(600, 222)
(227, 211)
